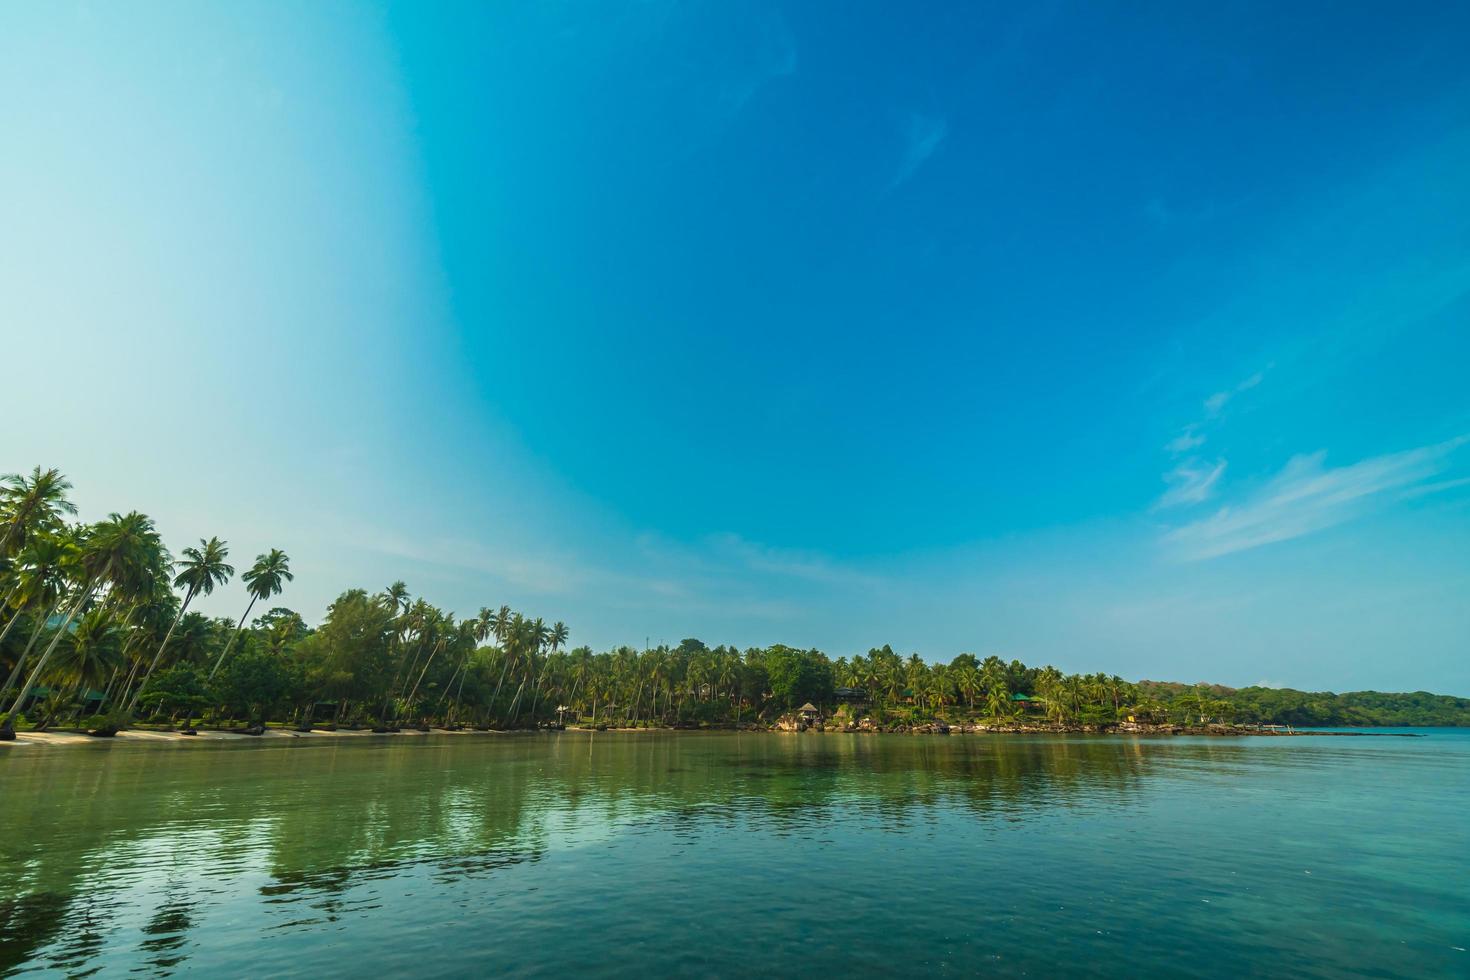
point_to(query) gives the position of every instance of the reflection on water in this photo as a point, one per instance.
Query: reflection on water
(690, 854)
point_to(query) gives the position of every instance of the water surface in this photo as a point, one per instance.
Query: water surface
(728, 854)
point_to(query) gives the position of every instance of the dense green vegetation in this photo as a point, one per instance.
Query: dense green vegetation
(98, 631)
(1324, 709)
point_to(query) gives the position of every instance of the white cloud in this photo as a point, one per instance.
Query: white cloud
(790, 564)
(1307, 496)
(1439, 487)
(1216, 403)
(1185, 441)
(1191, 482)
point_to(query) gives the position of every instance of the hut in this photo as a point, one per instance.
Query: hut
(808, 712)
(1025, 701)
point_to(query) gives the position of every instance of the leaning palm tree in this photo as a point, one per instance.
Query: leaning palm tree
(31, 503)
(507, 627)
(555, 637)
(203, 569)
(118, 552)
(40, 587)
(267, 577)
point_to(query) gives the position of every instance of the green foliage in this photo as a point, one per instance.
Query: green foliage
(174, 689)
(798, 676)
(94, 607)
(255, 683)
(1288, 707)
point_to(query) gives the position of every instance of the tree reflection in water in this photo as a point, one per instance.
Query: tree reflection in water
(340, 828)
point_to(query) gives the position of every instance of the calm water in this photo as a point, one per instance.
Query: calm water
(727, 855)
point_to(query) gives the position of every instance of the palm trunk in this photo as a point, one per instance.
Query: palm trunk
(14, 617)
(416, 683)
(418, 652)
(143, 686)
(127, 687)
(504, 663)
(234, 636)
(463, 673)
(55, 641)
(572, 701)
(536, 691)
(397, 648)
(35, 635)
(516, 701)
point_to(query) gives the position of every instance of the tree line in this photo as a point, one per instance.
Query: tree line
(96, 629)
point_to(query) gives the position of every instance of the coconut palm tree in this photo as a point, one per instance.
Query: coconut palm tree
(43, 568)
(203, 568)
(446, 628)
(479, 629)
(118, 552)
(29, 504)
(92, 652)
(507, 626)
(998, 700)
(395, 597)
(266, 578)
(554, 638)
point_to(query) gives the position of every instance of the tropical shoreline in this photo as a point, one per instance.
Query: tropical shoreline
(73, 737)
(98, 634)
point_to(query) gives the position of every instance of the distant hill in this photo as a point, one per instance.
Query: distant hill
(1285, 706)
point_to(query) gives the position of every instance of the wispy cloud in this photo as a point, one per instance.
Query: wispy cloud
(1441, 486)
(1185, 441)
(787, 563)
(1216, 403)
(1191, 482)
(1192, 479)
(925, 134)
(1308, 496)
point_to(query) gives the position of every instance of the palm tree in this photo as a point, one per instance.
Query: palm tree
(93, 652)
(266, 578)
(998, 700)
(203, 569)
(447, 628)
(119, 551)
(507, 626)
(30, 504)
(478, 630)
(554, 638)
(43, 567)
(395, 597)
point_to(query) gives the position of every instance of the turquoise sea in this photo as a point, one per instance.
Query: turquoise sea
(732, 855)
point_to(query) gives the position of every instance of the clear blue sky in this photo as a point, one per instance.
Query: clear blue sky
(1135, 341)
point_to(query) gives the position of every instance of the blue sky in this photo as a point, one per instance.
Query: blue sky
(1118, 340)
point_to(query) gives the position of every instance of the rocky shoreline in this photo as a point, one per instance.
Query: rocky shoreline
(867, 725)
(785, 725)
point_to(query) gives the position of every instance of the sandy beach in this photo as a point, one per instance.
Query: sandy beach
(26, 739)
